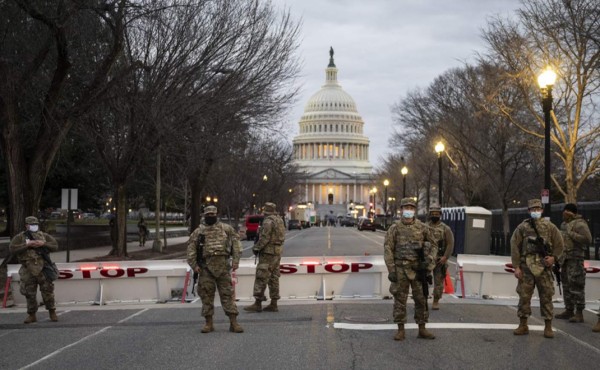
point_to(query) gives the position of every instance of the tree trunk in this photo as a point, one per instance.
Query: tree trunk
(157, 244)
(122, 220)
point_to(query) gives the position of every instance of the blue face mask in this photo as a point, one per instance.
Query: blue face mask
(536, 215)
(408, 213)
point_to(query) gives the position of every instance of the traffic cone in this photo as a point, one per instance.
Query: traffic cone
(448, 287)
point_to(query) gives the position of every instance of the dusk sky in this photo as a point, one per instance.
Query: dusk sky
(384, 49)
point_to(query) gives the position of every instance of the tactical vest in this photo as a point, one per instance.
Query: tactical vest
(572, 248)
(277, 236)
(408, 238)
(439, 233)
(216, 240)
(529, 235)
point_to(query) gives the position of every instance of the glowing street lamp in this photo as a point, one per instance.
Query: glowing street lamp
(404, 172)
(439, 149)
(546, 81)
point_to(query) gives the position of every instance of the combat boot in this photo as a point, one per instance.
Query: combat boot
(234, 327)
(53, 316)
(522, 329)
(400, 333)
(435, 305)
(272, 307)
(578, 317)
(208, 327)
(596, 328)
(423, 333)
(256, 307)
(565, 315)
(548, 333)
(31, 318)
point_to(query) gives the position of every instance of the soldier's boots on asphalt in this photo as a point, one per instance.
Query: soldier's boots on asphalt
(423, 333)
(30, 318)
(53, 316)
(435, 305)
(522, 329)
(596, 328)
(272, 307)
(578, 317)
(565, 315)
(256, 307)
(400, 333)
(548, 333)
(234, 327)
(208, 327)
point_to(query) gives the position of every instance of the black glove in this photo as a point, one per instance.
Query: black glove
(393, 277)
(255, 251)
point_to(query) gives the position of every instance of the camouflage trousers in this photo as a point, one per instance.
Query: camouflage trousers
(142, 235)
(525, 287)
(407, 278)
(28, 287)
(572, 274)
(267, 274)
(215, 275)
(439, 278)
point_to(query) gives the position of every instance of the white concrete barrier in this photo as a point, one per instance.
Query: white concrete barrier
(148, 281)
(492, 276)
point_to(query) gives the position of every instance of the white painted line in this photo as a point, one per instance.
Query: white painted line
(80, 341)
(436, 325)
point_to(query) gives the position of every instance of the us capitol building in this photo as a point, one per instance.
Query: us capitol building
(332, 154)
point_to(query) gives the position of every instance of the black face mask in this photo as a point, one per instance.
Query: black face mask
(210, 220)
(434, 219)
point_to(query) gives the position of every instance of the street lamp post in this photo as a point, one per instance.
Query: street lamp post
(439, 149)
(404, 172)
(546, 81)
(385, 186)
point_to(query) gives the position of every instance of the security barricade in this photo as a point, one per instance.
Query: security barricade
(161, 281)
(492, 276)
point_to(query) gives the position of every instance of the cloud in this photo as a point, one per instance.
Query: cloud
(385, 48)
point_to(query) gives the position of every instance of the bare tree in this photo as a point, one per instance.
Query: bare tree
(562, 34)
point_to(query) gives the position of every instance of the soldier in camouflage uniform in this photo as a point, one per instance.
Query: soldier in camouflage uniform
(268, 248)
(532, 268)
(221, 243)
(577, 237)
(596, 328)
(27, 246)
(142, 231)
(445, 246)
(401, 255)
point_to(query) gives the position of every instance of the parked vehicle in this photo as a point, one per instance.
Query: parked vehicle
(294, 224)
(348, 221)
(252, 224)
(367, 224)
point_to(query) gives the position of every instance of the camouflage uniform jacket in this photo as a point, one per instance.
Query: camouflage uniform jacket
(29, 257)
(524, 251)
(219, 240)
(443, 234)
(402, 241)
(271, 236)
(577, 237)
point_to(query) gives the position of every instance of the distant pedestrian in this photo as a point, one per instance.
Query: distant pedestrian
(535, 245)
(32, 248)
(268, 248)
(142, 231)
(577, 238)
(213, 250)
(445, 246)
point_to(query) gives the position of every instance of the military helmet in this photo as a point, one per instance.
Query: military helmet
(408, 202)
(270, 208)
(210, 209)
(534, 203)
(31, 220)
(435, 208)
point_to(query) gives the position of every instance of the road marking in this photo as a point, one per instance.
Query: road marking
(435, 325)
(328, 237)
(81, 340)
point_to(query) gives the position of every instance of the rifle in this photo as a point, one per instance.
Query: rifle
(199, 258)
(442, 251)
(542, 249)
(423, 275)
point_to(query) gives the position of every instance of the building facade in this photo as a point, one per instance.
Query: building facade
(332, 154)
